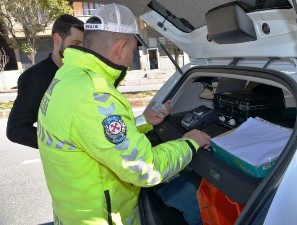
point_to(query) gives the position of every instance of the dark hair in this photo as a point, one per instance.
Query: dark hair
(63, 24)
(94, 19)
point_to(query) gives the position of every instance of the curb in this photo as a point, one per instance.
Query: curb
(139, 102)
(4, 113)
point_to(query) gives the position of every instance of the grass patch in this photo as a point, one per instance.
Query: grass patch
(142, 94)
(6, 105)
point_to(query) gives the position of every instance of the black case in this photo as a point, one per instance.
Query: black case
(235, 108)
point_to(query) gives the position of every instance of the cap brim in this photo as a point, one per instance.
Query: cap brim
(140, 41)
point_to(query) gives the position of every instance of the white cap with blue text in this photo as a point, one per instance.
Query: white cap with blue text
(116, 18)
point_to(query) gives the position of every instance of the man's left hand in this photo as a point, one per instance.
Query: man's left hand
(156, 116)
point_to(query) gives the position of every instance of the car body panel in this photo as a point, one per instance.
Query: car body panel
(279, 43)
(286, 214)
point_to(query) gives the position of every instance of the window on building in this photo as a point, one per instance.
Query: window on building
(89, 8)
(41, 18)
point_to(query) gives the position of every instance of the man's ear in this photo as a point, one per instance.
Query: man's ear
(57, 39)
(119, 48)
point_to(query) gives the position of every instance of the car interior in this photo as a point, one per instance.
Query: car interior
(217, 100)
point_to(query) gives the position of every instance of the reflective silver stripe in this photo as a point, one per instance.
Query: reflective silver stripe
(140, 165)
(101, 98)
(156, 179)
(140, 120)
(38, 129)
(123, 146)
(59, 145)
(178, 166)
(144, 176)
(71, 148)
(71, 145)
(107, 111)
(49, 140)
(130, 220)
(131, 157)
(189, 156)
(154, 176)
(42, 134)
(169, 173)
(165, 174)
(136, 212)
(183, 162)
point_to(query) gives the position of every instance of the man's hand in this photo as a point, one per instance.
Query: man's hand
(155, 115)
(202, 139)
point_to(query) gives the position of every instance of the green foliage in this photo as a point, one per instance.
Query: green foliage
(6, 105)
(24, 20)
(22, 45)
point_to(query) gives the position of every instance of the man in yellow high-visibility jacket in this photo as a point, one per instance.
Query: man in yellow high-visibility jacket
(94, 156)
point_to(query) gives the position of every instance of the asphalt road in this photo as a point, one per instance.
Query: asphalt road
(24, 197)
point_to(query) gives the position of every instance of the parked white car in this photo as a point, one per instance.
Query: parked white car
(242, 64)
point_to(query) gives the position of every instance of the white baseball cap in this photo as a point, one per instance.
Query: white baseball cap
(116, 18)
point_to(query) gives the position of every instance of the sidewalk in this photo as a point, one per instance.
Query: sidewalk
(135, 81)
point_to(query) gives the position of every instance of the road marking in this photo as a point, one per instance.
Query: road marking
(31, 161)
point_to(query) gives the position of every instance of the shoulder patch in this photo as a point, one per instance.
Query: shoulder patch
(114, 129)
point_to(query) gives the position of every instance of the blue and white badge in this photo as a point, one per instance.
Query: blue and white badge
(114, 129)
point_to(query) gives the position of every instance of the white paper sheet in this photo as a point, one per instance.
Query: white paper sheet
(255, 141)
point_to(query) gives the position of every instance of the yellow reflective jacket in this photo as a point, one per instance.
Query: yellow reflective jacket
(95, 159)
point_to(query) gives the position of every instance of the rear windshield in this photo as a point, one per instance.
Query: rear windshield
(257, 5)
(188, 15)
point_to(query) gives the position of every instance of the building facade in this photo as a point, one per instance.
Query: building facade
(145, 59)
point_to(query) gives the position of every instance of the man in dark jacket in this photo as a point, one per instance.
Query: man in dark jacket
(32, 84)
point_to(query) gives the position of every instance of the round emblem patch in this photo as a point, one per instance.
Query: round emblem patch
(114, 129)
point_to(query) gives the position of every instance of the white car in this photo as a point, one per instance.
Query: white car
(242, 65)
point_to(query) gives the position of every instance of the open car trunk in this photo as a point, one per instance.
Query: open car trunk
(200, 86)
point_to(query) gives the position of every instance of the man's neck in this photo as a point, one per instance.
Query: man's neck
(57, 59)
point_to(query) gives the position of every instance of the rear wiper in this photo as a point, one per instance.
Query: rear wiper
(180, 23)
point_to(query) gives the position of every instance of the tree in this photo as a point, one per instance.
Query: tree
(27, 19)
(177, 52)
(4, 59)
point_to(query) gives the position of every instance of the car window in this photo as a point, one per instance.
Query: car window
(256, 5)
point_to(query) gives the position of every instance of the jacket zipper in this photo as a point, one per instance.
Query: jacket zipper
(108, 205)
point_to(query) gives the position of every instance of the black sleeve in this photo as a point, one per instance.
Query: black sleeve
(31, 88)
(23, 114)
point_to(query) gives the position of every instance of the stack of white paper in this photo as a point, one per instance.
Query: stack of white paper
(256, 141)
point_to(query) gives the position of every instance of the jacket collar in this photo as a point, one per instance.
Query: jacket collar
(93, 61)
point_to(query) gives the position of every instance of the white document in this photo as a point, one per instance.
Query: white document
(256, 141)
